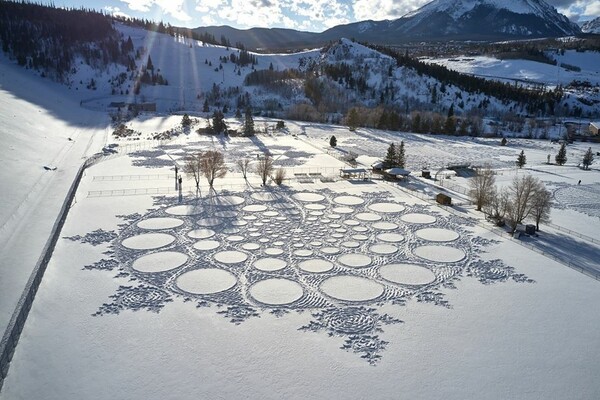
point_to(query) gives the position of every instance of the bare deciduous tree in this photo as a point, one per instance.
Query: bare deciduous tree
(264, 168)
(482, 186)
(540, 205)
(522, 191)
(212, 165)
(279, 176)
(243, 164)
(498, 205)
(192, 167)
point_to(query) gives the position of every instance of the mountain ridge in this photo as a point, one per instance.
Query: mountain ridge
(592, 26)
(439, 20)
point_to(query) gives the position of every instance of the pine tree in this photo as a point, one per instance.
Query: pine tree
(149, 65)
(521, 159)
(333, 141)
(390, 158)
(588, 158)
(352, 119)
(450, 126)
(248, 122)
(416, 123)
(186, 120)
(205, 106)
(218, 122)
(400, 156)
(561, 157)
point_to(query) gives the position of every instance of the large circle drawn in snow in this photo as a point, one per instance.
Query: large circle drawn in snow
(445, 254)
(159, 223)
(390, 237)
(273, 251)
(160, 262)
(343, 210)
(385, 226)
(227, 201)
(201, 233)
(351, 288)
(250, 246)
(186, 209)
(255, 208)
(355, 260)
(269, 264)
(331, 250)
(368, 217)
(383, 249)
(276, 291)
(206, 281)
(315, 207)
(303, 253)
(316, 265)
(206, 245)
(348, 200)
(230, 257)
(308, 197)
(416, 218)
(148, 241)
(437, 234)
(386, 207)
(407, 274)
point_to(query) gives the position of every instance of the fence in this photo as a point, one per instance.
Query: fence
(454, 187)
(17, 321)
(573, 233)
(112, 178)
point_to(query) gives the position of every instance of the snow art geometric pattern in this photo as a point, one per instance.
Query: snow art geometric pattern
(279, 251)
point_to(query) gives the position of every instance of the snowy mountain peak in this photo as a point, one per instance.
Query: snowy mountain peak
(457, 8)
(524, 18)
(592, 26)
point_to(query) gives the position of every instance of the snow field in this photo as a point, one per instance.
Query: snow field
(321, 257)
(431, 339)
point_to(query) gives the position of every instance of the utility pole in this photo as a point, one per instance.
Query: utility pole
(176, 170)
(180, 185)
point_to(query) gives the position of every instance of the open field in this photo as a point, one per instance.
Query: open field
(314, 288)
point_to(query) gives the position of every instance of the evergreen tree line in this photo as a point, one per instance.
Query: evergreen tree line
(272, 78)
(48, 38)
(541, 100)
(168, 29)
(417, 121)
(343, 74)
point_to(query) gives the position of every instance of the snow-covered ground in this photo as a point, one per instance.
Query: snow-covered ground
(307, 290)
(319, 288)
(42, 125)
(191, 68)
(527, 71)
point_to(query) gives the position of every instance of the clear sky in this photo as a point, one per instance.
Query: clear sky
(307, 15)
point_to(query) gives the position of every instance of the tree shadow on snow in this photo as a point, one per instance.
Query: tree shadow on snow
(566, 249)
